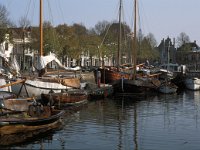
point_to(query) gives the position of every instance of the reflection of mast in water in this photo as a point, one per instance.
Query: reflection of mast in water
(135, 137)
(135, 127)
(134, 76)
(119, 126)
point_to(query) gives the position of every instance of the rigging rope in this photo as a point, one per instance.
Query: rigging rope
(61, 12)
(27, 12)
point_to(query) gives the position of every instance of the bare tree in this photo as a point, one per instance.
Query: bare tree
(3, 16)
(101, 27)
(4, 22)
(151, 39)
(182, 38)
(24, 22)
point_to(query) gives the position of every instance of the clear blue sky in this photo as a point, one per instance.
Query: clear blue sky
(163, 18)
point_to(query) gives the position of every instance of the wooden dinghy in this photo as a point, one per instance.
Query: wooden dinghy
(104, 91)
(23, 122)
(29, 120)
(65, 98)
(14, 104)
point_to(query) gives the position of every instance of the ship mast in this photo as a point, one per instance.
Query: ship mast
(119, 38)
(134, 40)
(42, 71)
(41, 29)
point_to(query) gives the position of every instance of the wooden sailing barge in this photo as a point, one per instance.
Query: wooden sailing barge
(38, 85)
(128, 80)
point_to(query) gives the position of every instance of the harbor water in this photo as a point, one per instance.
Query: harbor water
(159, 122)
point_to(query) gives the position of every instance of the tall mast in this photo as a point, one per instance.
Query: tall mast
(119, 37)
(135, 40)
(41, 30)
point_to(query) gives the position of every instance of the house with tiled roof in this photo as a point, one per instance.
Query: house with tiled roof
(189, 54)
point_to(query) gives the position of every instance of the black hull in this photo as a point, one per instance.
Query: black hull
(132, 87)
(33, 122)
(179, 81)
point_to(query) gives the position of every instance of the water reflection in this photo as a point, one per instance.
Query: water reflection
(154, 123)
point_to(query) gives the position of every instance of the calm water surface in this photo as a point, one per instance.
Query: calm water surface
(162, 122)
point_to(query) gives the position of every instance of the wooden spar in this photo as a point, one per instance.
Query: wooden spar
(41, 30)
(42, 71)
(13, 83)
(24, 99)
(119, 38)
(135, 41)
(154, 75)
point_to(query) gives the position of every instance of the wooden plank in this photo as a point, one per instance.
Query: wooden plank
(22, 99)
(13, 83)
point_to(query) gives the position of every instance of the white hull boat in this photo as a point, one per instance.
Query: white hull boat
(36, 87)
(192, 83)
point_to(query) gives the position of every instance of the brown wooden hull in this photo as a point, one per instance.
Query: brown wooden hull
(67, 81)
(44, 117)
(101, 92)
(27, 124)
(16, 104)
(65, 97)
(14, 134)
(14, 128)
(108, 76)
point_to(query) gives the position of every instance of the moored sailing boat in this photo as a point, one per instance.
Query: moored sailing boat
(133, 82)
(38, 85)
(111, 74)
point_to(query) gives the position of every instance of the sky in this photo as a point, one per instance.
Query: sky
(162, 18)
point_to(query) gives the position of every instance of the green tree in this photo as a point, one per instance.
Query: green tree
(51, 39)
(68, 40)
(148, 48)
(35, 36)
(92, 45)
(111, 40)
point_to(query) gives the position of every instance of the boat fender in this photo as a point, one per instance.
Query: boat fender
(1, 104)
(4, 123)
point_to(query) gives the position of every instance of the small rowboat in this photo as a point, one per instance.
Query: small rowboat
(64, 98)
(26, 121)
